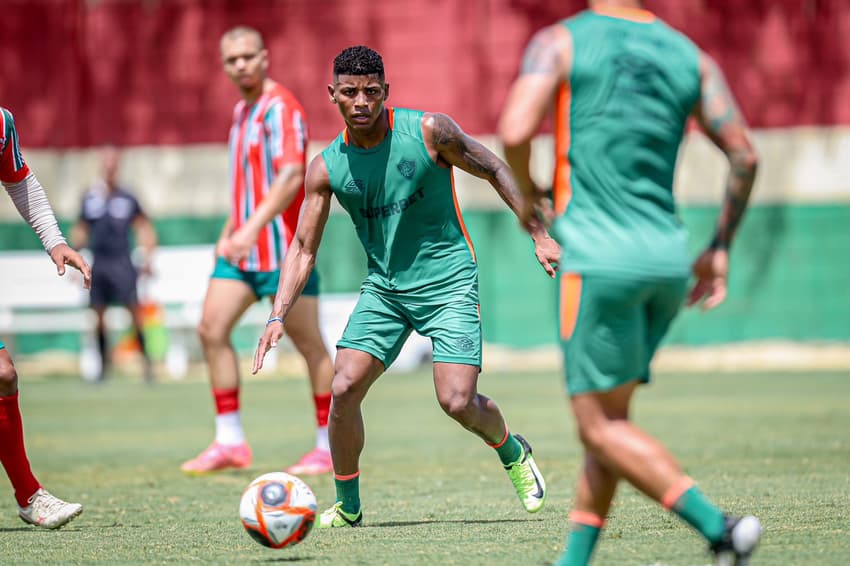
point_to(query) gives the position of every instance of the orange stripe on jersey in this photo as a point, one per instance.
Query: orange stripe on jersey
(570, 303)
(460, 218)
(625, 13)
(561, 185)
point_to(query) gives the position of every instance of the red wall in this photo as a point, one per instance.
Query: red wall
(86, 72)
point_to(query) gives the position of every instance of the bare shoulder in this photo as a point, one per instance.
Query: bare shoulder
(317, 178)
(708, 66)
(549, 50)
(717, 110)
(439, 129)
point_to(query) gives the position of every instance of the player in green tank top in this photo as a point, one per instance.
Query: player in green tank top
(623, 84)
(391, 170)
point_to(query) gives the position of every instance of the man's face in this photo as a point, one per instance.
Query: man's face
(245, 62)
(360, 99)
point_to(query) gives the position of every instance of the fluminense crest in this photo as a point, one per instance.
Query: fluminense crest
(407, 167)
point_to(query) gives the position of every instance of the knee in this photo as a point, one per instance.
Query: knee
(8, 378)
(346, 388)
(593, 436)
(210, 334)
(456, 404)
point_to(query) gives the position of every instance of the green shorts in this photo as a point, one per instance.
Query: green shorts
(2, 345)
(611, 325)
(380, 324)
(263, 283)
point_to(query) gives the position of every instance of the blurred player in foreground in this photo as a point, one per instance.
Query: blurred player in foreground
(391, 169)
(35, 504)
(268, 141)
(107, 213)
(623, 85)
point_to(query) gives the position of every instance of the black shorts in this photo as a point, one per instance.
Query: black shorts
(113, 281)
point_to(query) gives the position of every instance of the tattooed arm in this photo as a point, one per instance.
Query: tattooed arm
(451, 146)
(545, 66)
(718, 115)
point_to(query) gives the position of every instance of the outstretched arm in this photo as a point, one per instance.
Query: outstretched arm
(32, 204)
(721, 120)
(454, 147)
(545, 66)
(300, 256)
(282, 191)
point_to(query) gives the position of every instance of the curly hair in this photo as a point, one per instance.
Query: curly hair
(359, 60)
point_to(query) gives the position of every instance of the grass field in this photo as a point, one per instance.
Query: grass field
(776, 445)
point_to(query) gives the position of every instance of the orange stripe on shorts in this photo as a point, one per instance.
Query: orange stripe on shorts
(570, 302)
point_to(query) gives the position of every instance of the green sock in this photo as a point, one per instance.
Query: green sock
(348, 492)
(510, 451)
(580, 545)
(695, 509)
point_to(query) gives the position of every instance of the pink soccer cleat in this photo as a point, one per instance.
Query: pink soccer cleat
(219, 457)
(313, 463)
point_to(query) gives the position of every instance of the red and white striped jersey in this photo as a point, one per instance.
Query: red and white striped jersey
(264, 137)
(12, 166)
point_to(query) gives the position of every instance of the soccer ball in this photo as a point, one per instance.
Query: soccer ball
(278, 510)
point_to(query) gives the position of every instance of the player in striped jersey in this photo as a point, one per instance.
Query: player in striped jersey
(35, 505)
(268, 140)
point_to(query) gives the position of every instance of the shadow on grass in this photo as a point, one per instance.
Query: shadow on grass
(289, 559)
(446, 522)
(64, 528)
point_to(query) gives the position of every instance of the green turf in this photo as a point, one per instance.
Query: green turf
(776, 445)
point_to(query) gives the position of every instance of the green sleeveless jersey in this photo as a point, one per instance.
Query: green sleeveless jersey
(405, 212)
(620, 118)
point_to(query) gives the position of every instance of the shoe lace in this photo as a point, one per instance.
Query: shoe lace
(522, 474)
(331, 513)
(47, 504)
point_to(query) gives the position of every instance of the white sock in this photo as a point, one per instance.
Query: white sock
(228, 429)
(322, 442)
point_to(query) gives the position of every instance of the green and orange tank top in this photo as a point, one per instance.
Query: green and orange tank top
(620, 118)
(404, 209)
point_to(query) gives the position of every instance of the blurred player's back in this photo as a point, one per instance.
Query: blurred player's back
(620, 120)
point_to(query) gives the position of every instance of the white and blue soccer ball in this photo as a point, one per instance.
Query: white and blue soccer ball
(278, 510)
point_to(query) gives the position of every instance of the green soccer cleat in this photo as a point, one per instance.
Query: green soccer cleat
(527, 479)
(335, 517)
